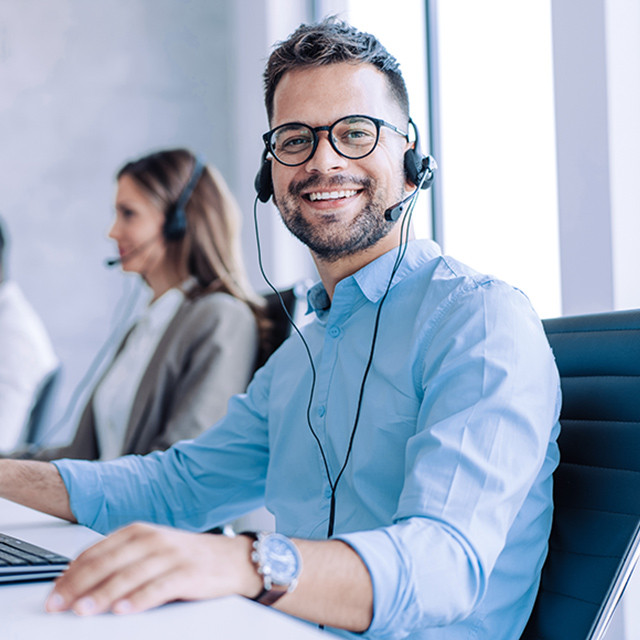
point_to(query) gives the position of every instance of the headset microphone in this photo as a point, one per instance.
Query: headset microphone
(112, 262)
(393, 213)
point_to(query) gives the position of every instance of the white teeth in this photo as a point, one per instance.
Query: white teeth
(332, 195)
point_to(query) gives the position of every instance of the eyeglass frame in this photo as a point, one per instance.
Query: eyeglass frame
(379, 123)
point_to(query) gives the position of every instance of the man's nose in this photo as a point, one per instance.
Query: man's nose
(325, 159)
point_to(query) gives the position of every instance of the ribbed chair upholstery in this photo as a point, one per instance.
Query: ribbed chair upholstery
(594, 538)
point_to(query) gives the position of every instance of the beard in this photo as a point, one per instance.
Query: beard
(334, 240)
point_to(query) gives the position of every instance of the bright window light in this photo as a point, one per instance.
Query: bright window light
(498, 163)
(403, 34)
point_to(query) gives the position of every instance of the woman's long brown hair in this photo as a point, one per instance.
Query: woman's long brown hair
(210, 247)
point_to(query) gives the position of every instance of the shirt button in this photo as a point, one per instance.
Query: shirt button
(334, 331)
(327, 493)
(321, 410)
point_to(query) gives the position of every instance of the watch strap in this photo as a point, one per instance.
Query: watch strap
(267, 596)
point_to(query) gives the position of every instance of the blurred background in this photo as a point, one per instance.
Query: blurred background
(530, 107)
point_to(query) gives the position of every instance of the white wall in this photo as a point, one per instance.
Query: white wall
(597, 67)
(622, 30)
(256, 25)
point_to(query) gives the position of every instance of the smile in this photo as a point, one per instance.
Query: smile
(331, 195)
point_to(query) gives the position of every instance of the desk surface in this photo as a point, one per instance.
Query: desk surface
(23, 617)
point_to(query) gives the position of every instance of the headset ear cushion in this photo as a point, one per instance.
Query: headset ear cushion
(175, 224)
(416, 166)
(263, 182)
(413, 168)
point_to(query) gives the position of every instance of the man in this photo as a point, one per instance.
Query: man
(418, 432)
(26, 357)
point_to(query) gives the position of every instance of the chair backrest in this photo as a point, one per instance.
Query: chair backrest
(280, 326)
(40, 409)
(594, 538)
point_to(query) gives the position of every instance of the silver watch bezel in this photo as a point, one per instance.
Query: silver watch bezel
(260, 557)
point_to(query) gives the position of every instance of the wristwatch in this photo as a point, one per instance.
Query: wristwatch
(278, 561)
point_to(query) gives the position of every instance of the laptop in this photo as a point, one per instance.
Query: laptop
(22, 561)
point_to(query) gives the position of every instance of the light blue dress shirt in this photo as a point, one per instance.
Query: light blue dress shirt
(447, 493)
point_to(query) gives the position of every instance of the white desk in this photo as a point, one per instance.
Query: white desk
(22, 615)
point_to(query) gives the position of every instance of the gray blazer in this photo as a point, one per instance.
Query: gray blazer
(206, 355)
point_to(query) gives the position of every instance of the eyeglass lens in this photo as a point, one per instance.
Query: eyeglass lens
(353, 137)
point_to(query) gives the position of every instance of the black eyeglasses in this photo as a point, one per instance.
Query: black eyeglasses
(352, 137)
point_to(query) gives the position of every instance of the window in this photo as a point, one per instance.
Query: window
(498, 162)
(403, 34)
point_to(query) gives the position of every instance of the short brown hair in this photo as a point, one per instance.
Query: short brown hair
(329, 42)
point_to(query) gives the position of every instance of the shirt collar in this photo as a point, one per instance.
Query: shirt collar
(373, 278)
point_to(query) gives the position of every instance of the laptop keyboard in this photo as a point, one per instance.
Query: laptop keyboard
(22, 561)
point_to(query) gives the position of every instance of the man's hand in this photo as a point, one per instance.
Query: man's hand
(143, 566)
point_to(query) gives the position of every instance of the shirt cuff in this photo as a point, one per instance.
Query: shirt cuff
(395, 610)
(86, 494)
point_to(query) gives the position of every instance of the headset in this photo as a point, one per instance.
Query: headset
(263, 182)
(419, 170)
(175, 224)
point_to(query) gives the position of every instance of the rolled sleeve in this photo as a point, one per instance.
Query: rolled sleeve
(86, 497)
(108, 495)
(411, 564)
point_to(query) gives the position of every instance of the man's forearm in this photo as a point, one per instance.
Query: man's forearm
(35, 484)
(334, 587)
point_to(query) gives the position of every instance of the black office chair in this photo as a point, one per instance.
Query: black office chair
(280, 326)
(40, 413)
(594, 541)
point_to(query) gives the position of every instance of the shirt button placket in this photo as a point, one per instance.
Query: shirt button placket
(334, 331)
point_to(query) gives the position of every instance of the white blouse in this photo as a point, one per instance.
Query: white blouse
(114, 396)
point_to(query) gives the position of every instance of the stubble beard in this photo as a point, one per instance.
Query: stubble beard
(336, 240)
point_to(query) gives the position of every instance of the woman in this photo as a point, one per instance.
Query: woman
(176, 224)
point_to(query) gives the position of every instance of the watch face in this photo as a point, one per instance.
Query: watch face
(282, 558)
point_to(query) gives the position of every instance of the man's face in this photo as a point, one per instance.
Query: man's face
(333, 204)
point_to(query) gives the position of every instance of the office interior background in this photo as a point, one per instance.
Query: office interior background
(530, 107)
